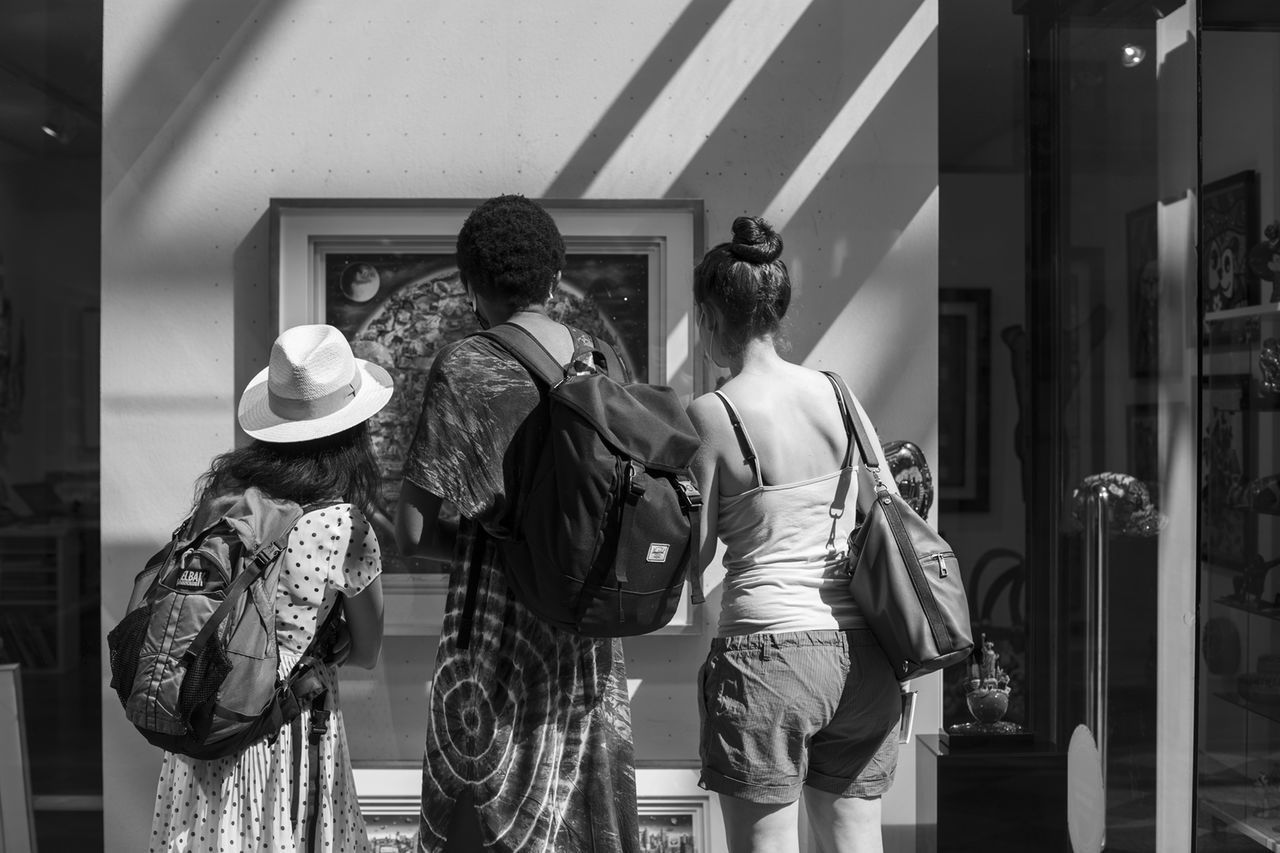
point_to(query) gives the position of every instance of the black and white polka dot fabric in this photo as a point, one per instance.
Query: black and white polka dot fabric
(242, 803)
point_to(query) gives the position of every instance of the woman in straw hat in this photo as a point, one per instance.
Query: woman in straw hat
(307, 413)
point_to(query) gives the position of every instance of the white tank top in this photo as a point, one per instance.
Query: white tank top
(784, 552)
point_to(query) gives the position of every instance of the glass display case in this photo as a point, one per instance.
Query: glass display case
(1239, 756)
(1238, 476)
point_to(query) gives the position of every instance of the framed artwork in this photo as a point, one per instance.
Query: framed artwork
(389, 800)
(383, 271)
(1142, 275)
(1226, 455)
(1228, 223)
(674, 813)
(964, 398)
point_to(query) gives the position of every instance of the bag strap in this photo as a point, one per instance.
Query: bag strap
(520, 343)
(525, 348)
(856, 429)
(466, 620)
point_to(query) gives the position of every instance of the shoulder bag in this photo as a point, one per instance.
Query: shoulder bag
(903, 575)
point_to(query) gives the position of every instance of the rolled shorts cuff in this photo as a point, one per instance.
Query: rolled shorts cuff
(863, 788)
(752, 792)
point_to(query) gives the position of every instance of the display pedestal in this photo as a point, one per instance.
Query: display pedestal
(991, 800)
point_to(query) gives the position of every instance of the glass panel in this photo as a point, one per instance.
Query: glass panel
(1239, 390)
(1119, 105)
(50, 221)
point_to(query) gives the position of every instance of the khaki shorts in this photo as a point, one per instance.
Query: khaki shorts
(781, 711)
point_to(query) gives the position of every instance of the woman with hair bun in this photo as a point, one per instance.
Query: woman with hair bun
(797, 700)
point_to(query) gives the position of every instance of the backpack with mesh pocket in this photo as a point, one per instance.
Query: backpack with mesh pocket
(194, 661)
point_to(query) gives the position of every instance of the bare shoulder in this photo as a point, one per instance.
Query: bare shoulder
(709, 417)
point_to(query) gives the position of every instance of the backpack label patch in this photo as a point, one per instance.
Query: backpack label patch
(191, 579)
(657, 552)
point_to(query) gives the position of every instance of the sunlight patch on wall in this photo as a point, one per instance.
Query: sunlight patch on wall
(883, 313)
(696, 99)
(846, 124)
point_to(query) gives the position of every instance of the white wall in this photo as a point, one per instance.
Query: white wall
(820, 114)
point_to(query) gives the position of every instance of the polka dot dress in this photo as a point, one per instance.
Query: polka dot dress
(243, 802)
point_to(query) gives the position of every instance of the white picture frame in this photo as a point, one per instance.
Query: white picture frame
(389, 795)
(668, 234)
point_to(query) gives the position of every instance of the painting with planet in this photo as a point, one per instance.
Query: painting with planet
(399, 309)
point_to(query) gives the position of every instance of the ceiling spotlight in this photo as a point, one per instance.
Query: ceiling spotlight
(1132, 55)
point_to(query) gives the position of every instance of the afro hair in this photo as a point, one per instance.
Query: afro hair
(510, 248)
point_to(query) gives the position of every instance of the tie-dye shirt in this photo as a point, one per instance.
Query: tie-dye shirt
(531, 722)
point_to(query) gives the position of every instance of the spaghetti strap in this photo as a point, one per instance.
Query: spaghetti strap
(744, 441)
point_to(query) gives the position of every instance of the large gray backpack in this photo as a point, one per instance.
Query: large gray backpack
(195, 659)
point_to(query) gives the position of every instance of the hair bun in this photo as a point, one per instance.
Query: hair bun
(754, 240)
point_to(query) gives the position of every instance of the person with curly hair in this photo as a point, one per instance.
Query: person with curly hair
(529, 727)
(796, 698)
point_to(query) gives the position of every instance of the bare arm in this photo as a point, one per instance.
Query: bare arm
(706, 416)
(363, 614)
(420, 529)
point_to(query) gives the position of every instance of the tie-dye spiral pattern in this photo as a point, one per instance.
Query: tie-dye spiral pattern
(532, 722)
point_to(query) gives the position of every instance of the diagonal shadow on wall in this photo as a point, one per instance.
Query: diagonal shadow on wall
(792, 102)
(796, 92)
(201, 47)
(679, 42)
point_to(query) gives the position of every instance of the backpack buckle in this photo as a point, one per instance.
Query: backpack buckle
(268, 554)
(688, 494)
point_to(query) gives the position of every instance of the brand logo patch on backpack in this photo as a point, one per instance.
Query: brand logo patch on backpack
(657, 552)
(191, 579)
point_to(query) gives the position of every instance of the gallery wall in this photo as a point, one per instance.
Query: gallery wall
(820, 115)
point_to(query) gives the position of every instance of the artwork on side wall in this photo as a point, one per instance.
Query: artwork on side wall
(383, 271)
(1142, 274)
(1228, 226)
(1226, 450)
(964, 398)
(1142, 440)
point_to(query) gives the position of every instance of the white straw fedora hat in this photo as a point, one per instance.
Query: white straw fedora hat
(313, 386)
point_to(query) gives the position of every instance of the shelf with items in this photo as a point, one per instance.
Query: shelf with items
(1267, 611)
(39, 596)
(1239, 798)
(1266, 710)
(1266, 309)
(1235, 816)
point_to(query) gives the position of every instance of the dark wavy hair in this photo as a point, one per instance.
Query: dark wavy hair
(510, 248)
(335, 467)
(748, 281)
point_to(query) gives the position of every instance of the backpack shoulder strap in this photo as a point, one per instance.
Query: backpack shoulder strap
(526, 349)
(614, 363)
